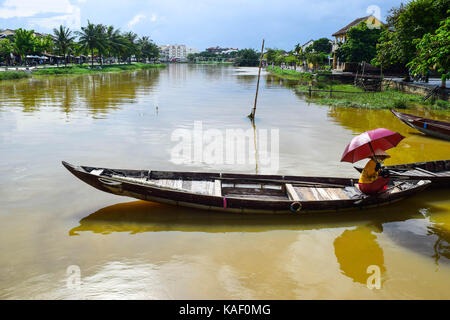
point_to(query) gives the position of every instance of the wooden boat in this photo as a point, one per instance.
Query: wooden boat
(438, 172)
(434, 128)
(242, 193)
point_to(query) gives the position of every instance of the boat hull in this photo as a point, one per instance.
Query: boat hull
(236, 204)
(437, 129)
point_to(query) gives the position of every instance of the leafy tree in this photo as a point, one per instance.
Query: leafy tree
(317, 59)
(360, 45)
(322, 45)
(247, 58)
(24, 42)
(291, 60)
(42, 45)
(433, 51)
(271, 55)
(405, 24)
(64, 40)
(6, 48)
(191, 57)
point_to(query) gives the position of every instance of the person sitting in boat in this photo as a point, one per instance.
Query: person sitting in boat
(373, 178)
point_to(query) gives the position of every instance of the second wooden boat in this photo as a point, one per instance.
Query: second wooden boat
(242, 193)
(434, 128)
(438, 172)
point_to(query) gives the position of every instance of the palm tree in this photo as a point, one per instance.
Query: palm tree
(92, 37)
(131, 46)
(115, 41)
(64, 40)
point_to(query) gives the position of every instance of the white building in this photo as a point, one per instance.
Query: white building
(173, 52)
(192, 50)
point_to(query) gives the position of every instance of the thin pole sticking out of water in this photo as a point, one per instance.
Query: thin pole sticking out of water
(252, 114)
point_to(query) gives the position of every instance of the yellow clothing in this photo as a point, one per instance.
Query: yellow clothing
(369, 175)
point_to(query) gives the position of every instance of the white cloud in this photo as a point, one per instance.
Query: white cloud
(136, 20)
(60, 11)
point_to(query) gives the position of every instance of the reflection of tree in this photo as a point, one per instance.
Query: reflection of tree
(356, 250)
(97, 93)
(442, 245)
(413, 149)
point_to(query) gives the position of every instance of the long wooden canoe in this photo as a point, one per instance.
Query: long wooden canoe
(438, 172)
(242, 193)
(434, 128)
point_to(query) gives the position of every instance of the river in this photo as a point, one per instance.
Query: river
(62, 239)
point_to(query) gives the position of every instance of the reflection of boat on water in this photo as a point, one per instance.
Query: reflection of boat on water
(142, 216)
(438, 172)
(242, 193)
(434, 128)
(432, 240)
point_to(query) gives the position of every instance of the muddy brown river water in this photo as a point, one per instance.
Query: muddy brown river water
(62, 239)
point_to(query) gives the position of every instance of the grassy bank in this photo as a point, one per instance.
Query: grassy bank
(290, 74)
(12, 75)
(86, 69)
(385, 99)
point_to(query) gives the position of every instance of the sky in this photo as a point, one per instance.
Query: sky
(199, 23)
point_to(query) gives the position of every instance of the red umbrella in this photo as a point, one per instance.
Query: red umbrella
(363, 146)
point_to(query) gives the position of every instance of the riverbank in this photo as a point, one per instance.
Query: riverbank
(86, 69)
(353, 96)
(13, 75)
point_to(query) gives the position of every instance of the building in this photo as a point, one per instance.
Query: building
(307, 44)
(219, 50)
(7, 33)
(192, 50)
(341, 35)
(11, 33)
(173, 52)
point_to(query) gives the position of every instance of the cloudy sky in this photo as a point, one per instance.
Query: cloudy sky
(199, 23)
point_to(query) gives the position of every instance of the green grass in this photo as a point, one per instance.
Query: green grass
(12, 75)
(290, 74)
(86, 69)
(372, 100)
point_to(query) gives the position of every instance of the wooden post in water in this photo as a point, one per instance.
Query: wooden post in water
(252, 114)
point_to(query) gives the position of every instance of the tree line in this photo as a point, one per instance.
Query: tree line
(317, 54)
(105, 42)
(416, 38)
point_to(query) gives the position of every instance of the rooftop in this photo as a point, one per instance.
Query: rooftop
(351, 24)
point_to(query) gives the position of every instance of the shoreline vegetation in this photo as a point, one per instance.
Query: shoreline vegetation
(385, 99)
(78, 69)
(87, 69)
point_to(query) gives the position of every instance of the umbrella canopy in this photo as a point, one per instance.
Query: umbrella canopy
(363, 146)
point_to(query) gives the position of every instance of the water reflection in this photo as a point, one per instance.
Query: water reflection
(97, 93)
(409, 224)
(356, 250)
(416, 147)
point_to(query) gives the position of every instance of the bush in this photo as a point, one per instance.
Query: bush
(11, 75)
(442, 104)
(399, 104)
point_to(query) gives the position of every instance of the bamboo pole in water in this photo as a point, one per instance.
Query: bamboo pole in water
(252, 114)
